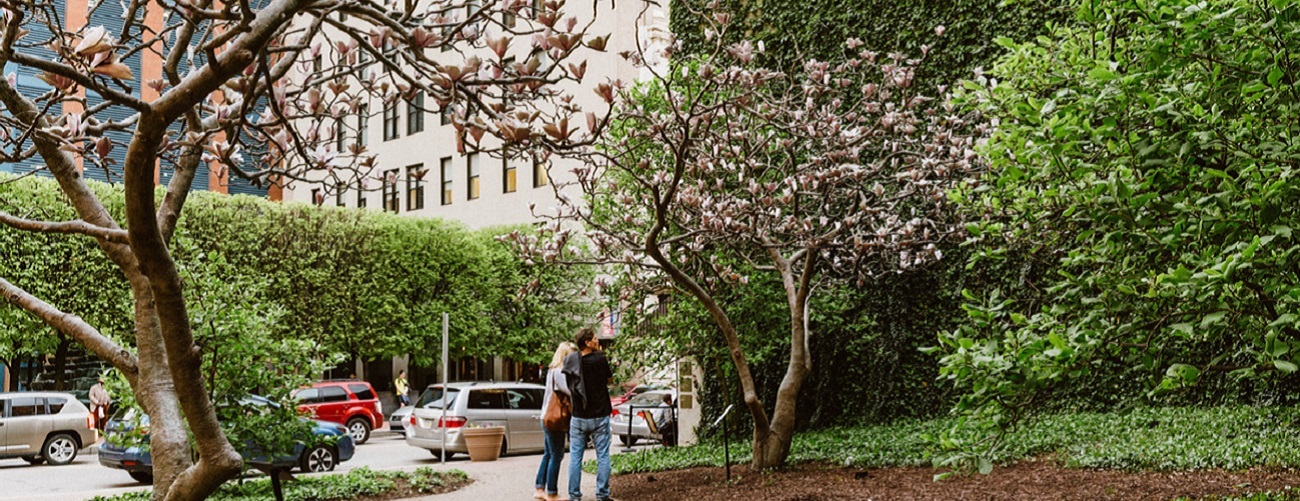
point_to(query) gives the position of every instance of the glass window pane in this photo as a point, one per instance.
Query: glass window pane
(25, 406)
(361, 391)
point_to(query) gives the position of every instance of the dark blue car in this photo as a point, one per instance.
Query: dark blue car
(323, 456)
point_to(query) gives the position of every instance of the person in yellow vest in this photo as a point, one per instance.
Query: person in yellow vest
(401, 386)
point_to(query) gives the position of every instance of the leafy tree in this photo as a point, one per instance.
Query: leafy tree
(230, 88)
(841, 172)
(1146, 154)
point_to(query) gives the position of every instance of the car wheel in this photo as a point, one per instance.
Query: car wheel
(627, 440)
(318, 459)
(359, 429)
(143, 477)
(33, 459)
(59, 449)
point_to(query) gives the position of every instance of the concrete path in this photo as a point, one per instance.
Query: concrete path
(511, 478)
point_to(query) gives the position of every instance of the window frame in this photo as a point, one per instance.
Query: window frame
(415, 114)
(445, 168)
(388, 195)
(391, 119)
(363, 125)
(509, 176)
(540, 176)
(473, 176)
(414, 187)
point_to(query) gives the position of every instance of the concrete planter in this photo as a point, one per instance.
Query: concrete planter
(484, 444)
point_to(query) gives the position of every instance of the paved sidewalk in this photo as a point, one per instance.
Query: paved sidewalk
(511, 478)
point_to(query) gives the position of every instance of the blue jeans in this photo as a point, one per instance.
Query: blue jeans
(597, 429)
(548, 474)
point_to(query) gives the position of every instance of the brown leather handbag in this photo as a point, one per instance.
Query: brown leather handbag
(558, 411)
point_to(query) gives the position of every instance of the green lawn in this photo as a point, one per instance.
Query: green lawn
(1140, 439)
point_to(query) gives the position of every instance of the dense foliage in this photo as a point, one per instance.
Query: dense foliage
(365, 284)
(794, 30)
(1147, 155)
(869, 334)
(358, 483)
(1144, 438)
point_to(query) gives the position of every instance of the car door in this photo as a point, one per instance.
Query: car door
(524, 417)
(334, 404)
(26, 425)
(487, 407)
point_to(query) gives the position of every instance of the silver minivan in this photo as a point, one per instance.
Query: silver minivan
(515, 406)
(44, 427)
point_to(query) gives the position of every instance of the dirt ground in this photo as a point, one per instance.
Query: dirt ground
(1030, 480)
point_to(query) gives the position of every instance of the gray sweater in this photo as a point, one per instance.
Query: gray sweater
(555, 381)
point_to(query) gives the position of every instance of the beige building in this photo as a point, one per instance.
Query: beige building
(475, 188)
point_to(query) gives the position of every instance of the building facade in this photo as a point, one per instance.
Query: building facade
(145, 66)
(419, 171)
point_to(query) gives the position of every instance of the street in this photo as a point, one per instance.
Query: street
(85, 478)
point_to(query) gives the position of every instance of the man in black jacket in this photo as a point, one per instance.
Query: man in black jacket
(587, 373)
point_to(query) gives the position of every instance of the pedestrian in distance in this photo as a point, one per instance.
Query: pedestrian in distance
(557, 394)
(99, 402)
(402, 387)
(587, 373)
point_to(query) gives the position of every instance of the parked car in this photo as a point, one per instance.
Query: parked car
(631, 411)
(515, 406)
(351, 403)
(44, 427)
(322, 456)
(636, 390)
(397, 421)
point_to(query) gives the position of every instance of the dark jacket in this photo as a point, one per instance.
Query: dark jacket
(572, 370)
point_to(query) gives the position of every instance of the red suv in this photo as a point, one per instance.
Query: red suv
(350, 403)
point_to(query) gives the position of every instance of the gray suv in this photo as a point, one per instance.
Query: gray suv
(44, 427)
(515, 406)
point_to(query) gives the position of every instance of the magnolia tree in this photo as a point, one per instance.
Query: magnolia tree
(256, 89)
(717, 168)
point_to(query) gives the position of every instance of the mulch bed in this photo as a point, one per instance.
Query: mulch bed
(1026, 480)
(403, 490)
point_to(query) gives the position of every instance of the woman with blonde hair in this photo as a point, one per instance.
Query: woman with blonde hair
(548, 474)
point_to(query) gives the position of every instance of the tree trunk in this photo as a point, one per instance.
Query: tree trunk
(772, 444)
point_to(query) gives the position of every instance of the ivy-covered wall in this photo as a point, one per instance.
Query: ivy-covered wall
(796, 29)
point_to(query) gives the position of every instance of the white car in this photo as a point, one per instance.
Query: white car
(515, 406)
(627, 422)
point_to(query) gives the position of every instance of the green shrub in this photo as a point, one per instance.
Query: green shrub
(353, 484)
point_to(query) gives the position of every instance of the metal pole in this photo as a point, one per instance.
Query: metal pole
(726, 448)
(631, 409)
(442, 420)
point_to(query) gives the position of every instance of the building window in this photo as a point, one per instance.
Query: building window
(509, 177)
(445, 115)
(316, 197)
(415, 187)
(338, 195)
(389, 194)
(361, 198)
(415, 114)
(316, 63)
(540, 176)
(363, 125)
(390, 121)
(446, 180)
(471, 176)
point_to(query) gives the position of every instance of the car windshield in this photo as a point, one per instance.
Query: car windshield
(647, 399)
(432, 398)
